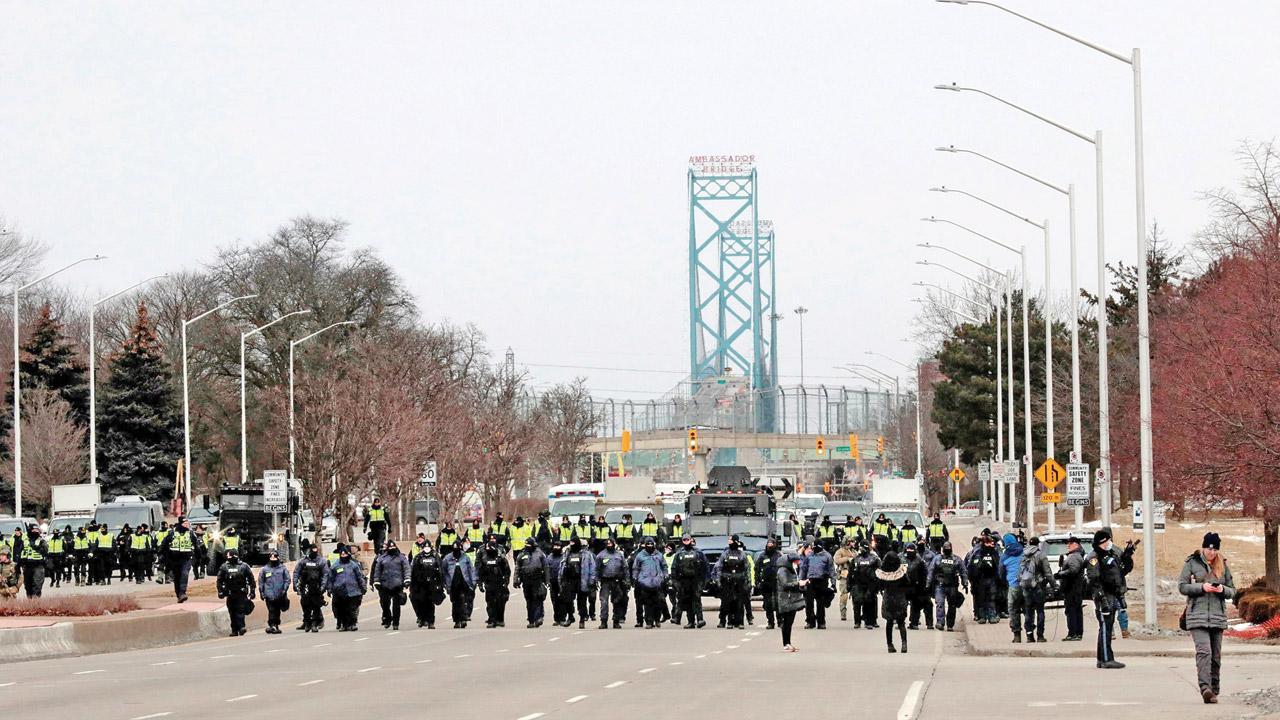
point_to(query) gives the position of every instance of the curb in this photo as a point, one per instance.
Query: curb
(1086, 649)
(67, 639)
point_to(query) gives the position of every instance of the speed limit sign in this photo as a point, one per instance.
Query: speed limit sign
(429, 474)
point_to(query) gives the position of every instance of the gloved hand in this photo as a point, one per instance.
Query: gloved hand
(516, 584)
(222, 596)
(378, 584)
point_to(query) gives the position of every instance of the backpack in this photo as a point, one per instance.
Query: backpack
(1028, 575)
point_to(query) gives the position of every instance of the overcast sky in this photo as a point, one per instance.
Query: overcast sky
(522, 164)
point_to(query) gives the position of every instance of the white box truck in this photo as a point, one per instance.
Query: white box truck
(74, 505)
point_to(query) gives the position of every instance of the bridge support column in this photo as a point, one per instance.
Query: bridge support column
(700, 467)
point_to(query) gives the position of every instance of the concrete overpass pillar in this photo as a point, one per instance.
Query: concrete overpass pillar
(700, 466)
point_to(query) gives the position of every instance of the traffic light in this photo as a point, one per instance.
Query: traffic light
(853, 446)
(693, 440)
(626, 441)
(821, 445)
(880, 445)
(826, 488)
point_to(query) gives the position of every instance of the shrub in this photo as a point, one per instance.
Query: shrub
(68, 606)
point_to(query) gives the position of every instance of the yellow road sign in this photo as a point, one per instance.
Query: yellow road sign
(1051, 498)
(957, 475)
(1051, 474)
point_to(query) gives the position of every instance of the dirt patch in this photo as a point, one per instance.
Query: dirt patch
(69, 606)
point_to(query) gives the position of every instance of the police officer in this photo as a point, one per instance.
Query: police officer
(229, 542)
(177, 552)
(946, 573)
(1071, 579)
(862, 587)
(689, 572)
(937, 532)
(578, 580)
(235, 585)
(531, 577)
(200, 552)
(80, 549)
(1106, 571)
(520, 531)
(446, 537)
(819, 571)
(625, 533)
(31, 559)
(614, 576)
(918, 595)
(651, 528)
(767, 563)
(140, 555)
(600, 532)
(311, 582)
(460, 582)
(375, 524)
(828, 535)
(273, 586)
(104, 555)
(908, 534)
(157, 538)
(559, 610)
(500, 529)
(391, 578)
(347, 584)
(649, 573)
(984, 570)
(426, 585)
(677, 528)
(475, 537)
(494, 574)
(57, 557)
(731, 572)
(881, 532)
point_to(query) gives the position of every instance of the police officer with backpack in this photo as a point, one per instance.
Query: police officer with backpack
(688, 572)
(311, 582)
(730, 571)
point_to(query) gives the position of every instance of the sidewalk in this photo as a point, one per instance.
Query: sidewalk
(998, 640)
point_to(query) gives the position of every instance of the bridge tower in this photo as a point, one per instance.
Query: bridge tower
(732, 322)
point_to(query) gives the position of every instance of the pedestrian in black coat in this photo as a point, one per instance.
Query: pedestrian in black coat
(892, 577)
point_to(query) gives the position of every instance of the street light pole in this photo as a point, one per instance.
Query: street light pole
(1134, 61)
(244, 431)
(17, 383)
(93, 370)
(801, 311)
(293, 344)
(186, 393)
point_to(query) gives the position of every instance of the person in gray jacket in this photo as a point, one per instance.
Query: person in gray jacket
(649, 573)
(1071, 579)
(820, 572)
(460, 582)
(273, 586)
(1207, 583)
(1035, 577)
(347, 584)
(790, 597)
(391, 578)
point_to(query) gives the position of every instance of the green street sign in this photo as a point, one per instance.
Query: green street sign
(843, 448)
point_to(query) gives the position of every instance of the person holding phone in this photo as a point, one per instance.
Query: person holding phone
(1207, 583)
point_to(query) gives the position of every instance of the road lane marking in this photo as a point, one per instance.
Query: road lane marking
(310, 682)
(464, 655)
(422, 661)
(153, 715)
(534, 716)
(219, 657)
(277, 650)
(88, 672)
(678, 662)
(392, 633)
(614, 684)
(908, 708)
(530, 645)
(322, 645)
(575, 698)
(361, 639)
(166, 662)
(716, 652)
(647, 670)
(699, 657)
(553, 639)
(6, 684)
(370, 669)
(242, 697)
(578, 632)
(731, 647)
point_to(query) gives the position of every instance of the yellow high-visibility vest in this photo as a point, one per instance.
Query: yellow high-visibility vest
(377, 515)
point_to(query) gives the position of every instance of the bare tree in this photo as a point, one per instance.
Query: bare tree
(53, 451)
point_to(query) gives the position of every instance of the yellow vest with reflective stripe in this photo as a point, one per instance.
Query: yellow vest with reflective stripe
(600, 532)
(566, 533)
(826, 531)
(80, 543)
(649, 529)
(104, 540)
(447, 538)
(475, 534)
(30, 552)
(181, 542)
(936, 529)
(55, 546)
(880, 528)
(139, 542)
(520, 533)
(377, 515)
(624, 531)
(500, 528)
(909, 535)
(677, 530)
(231, 542)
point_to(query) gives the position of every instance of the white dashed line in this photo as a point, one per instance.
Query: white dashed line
(504, 650)
(699, 657)
(153, 715)
(614, 684)
(578, 632)
(88, 672)
(420, 662)
(393, 633)
(678, 662)
(7, 684)
(647, 670)
(242, 697)
(464, 655)
(575, 698)
(219, 657)
(322, 645)
(360, 639)
(277, 650)
(530, 645)
(370, 669)
(908, 708)
(553, 639)
(534, 716)
(731, 647)
(310, 682)
(716, 652)
(166, 662)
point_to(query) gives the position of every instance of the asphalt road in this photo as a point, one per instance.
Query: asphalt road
(514, 673)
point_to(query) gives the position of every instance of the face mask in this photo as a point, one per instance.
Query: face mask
(275, 561)
(457, 551)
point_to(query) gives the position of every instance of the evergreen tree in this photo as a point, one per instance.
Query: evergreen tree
(49, 360)
(140, 428)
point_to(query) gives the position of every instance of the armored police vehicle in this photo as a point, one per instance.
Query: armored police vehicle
(732, 504)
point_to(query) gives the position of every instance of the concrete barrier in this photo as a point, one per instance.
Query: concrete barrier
(131, 632)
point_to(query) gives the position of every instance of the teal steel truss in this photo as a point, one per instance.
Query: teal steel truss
(732, 323)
